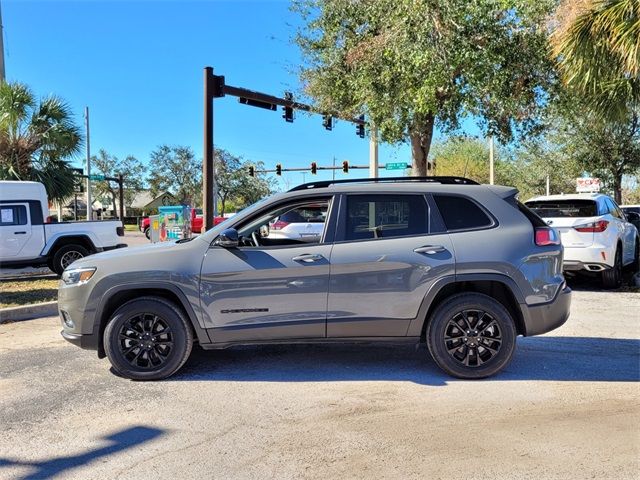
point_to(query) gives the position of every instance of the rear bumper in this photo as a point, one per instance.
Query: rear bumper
(114, 247)
(549, 316)
(594, 258)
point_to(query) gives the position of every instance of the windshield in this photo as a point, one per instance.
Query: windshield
(564, 208)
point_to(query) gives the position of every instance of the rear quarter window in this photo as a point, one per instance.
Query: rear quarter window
(460, 213)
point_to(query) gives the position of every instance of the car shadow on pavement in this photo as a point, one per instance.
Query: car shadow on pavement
(50, 468)
(545, 358)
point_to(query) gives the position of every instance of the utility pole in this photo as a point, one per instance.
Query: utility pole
(2, 73)
(334, 168)
(491, 159)
(373, 153)
(548, 184)
(89, 201)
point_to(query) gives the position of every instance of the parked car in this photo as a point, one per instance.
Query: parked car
(196, 222)
(28, 238)
(461, 266)
(632, 213)
(596, 235)
(304, 223)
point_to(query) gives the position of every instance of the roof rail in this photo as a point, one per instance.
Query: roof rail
(441, 180)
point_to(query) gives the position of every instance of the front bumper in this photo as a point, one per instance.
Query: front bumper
(88, 342)
(543, 318)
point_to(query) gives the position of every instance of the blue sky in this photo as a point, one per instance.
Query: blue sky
(138, 66)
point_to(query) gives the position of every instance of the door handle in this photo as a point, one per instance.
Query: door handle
(19, 233)
(307, 257)
(430, 249)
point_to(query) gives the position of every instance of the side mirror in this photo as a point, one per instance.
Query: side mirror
(228, 238)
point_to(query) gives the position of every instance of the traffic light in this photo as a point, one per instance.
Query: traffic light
(278, 169)
(252, 171)
(345, 166)
(327, 122)
(288, 111)
(314, 168)
(360, 127)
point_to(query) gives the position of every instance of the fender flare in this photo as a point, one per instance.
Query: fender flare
(55, 239)
(416, 326)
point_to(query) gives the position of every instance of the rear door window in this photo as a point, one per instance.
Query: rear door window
(460, 213)
(385, 216)
(564, 208)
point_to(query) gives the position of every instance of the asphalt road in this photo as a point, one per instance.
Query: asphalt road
(566, 408)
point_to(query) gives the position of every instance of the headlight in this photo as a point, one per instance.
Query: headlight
(75, 276)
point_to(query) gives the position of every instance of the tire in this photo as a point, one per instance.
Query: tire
(612, 277)
(147, 233)
(157, 359)
(65, 255)
(467, 361)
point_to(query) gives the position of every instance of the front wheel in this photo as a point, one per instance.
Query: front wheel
(65, 256)
(148, 338)
(471, 335)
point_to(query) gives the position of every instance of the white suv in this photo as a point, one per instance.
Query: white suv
(594, 231)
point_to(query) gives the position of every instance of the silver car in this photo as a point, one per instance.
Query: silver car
(463, 267)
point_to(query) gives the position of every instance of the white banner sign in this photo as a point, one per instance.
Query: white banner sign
(587, 185)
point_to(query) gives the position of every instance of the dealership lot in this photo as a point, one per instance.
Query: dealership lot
(567, 407)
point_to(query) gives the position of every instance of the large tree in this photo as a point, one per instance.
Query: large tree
(131, 169)
(176, 169)
(597, 44)
(37, 138)
(413, 64)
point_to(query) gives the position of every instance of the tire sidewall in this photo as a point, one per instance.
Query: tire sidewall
(450, 308)
(612, 278)
(182, 338)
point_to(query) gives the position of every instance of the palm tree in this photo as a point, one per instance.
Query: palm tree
(36, 139)
(597, 43)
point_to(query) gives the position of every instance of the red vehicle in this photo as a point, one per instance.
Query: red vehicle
(196, 222)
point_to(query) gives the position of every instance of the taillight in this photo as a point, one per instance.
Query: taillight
(120, 231)
(546, 236)
(595, 227)
(279, 225)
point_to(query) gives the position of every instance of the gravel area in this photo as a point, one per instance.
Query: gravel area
(566, 408)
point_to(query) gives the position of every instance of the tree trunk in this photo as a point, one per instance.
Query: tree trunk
(617, 188)
(421, 135)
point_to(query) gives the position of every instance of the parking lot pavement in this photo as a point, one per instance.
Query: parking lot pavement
(567, 407)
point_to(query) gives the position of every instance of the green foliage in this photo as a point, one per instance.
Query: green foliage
(463, 157)
(110, 166)
(236, 188)
(36, 139)
(597, 43)
(177, 170)
(410, 63)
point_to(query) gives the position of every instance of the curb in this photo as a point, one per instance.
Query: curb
(28, 312)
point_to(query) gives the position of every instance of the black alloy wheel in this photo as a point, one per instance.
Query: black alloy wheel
(472, 337)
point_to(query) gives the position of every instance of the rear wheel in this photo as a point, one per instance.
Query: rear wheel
(65, 256)
(148, 338)
(147, 233)
(471, 336)
(612, 277)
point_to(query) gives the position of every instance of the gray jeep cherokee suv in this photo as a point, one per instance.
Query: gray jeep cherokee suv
(463, 267)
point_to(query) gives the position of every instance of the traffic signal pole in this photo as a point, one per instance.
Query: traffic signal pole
(215, 87)
(208, 180)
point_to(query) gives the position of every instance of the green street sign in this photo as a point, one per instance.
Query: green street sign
(96, 177)
(396, 166)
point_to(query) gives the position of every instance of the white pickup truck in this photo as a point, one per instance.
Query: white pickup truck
(29, 239)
